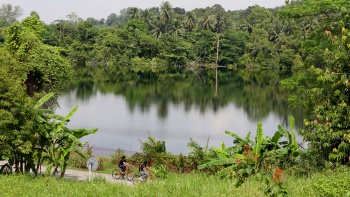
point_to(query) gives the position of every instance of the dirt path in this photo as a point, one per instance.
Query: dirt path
(83, 175)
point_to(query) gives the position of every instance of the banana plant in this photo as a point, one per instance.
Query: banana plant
(245, 162)
(57, 141)
(63, 142)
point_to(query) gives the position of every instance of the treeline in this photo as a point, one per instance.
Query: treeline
(279, 38)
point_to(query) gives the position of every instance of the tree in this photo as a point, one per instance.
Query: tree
(232, 46)
(16, 117)
(133, 13)
(261, 52)
(10, 13)
(157, 29)
(73, 18)
(43, 65)
(205, 45)
(190, 23)
(147, 17)
(166, 13)
(175, 51)
(176, 27)
(112, 19)
(207, 22)
(326, 100)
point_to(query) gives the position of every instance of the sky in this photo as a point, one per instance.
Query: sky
(51, 10)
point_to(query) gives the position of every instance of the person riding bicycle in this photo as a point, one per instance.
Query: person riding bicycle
(123, 164)
(144, 170)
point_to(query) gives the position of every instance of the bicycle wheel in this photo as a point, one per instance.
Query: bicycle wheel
(130, 176)
(137, 178)
(116, 174)
(6, 169)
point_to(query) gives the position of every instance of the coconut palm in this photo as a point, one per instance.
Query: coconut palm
(146, 16)
(166, 13)
(157, 27)
(207, 22)
(176, 27)
(133, 13)
(219, 23)
(190, 21)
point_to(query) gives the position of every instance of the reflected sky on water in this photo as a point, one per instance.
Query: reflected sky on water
(122, 127)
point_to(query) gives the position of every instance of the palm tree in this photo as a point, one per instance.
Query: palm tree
(166, 12)
(219, 23)
(146, 16)
(309, 24)
(157, 27)
(176, 28)
(133, 13)
(190, 21)
(207, 22)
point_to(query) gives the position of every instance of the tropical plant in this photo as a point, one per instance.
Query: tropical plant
(166, 13)
(153, 146)
(190, 23)
(55, 140)
(248, 157)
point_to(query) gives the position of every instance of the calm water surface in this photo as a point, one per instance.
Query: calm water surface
(177, 111)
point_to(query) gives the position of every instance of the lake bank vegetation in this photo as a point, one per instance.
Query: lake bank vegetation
(308, 38)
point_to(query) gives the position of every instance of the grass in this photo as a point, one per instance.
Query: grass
(175, 185)
(328, 183)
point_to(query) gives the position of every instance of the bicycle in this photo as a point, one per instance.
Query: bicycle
(137, 176)
(117, 174)
(5, 169)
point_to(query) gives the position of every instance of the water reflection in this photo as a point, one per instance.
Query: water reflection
(176, 111)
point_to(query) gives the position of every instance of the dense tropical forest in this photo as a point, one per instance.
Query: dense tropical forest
(307, 39)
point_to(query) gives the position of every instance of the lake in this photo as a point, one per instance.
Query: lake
(179, 110)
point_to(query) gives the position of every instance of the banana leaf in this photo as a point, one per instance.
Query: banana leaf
(284, 132)
(227, 170)
(40, 102)
(220, 153)
(276, 137)
(259, 139)
(239, 156)
(69, 115)
(79, 133)
(223, 147)
(219, 162)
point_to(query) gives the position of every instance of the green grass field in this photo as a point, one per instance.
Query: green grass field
(174, 185)
(320, 184)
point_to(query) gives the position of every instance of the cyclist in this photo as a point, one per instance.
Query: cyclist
(123, 164)
(144, 170)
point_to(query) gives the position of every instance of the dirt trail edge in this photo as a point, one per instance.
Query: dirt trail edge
(83, 175)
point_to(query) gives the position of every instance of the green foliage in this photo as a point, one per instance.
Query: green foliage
(152, 146)
(57, 141)
(160, 171)
(298, 9)
(327, 127)
(16, 114)
(247, 157)
(43, 67)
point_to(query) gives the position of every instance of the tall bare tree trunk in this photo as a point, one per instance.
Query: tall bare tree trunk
(216, 69)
